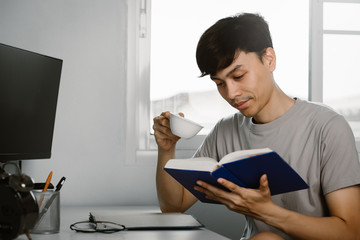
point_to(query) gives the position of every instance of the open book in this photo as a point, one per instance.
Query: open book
(243, 168)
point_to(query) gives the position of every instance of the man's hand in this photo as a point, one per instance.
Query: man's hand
(251, 202)
(162, 132)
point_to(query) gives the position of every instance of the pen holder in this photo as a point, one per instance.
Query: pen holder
(49, 212)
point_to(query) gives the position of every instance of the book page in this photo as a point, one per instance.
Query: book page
(242, 154)
(199, 164)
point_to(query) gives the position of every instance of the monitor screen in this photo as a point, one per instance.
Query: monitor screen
(29, 85)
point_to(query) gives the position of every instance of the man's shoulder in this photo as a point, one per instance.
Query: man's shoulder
(317, 109)
(321, 115)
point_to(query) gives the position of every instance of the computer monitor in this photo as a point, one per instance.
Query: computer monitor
(29, 86)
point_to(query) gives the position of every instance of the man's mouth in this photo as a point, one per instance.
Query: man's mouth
(241, 104)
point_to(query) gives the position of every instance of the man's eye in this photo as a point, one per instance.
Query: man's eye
(239, 77)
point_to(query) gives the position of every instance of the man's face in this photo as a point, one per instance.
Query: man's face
(247, 84)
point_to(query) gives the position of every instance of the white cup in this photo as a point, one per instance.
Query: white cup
(183, 127)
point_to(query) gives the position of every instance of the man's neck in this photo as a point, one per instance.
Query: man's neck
(277, 106)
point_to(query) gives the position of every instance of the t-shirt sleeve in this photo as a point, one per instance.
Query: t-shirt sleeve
(340, 165)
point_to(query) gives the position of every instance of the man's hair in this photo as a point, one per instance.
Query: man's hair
(218, 46)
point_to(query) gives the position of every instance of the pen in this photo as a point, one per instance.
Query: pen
(49, 202)
(47, 183)
(60, 184)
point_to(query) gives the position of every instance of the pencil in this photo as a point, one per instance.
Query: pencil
(47, 183)
(48, 180)
(28, 235)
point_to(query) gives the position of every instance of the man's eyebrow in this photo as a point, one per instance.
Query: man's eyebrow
(237, 67)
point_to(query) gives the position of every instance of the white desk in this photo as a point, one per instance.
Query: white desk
(71, 215)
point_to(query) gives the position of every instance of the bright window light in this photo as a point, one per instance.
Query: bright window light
(176, 27)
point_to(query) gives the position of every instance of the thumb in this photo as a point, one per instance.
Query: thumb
(264, 184)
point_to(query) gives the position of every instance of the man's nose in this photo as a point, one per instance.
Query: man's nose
(233, 89)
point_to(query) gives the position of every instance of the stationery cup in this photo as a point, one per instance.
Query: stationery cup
(49, 212)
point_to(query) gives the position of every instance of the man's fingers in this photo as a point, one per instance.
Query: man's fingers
(264, 183)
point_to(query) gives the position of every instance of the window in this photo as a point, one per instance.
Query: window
(171, 30)
(334, 44)
(341, 87)
(175, 30)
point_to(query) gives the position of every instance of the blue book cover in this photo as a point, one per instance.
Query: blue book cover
(188, 179)
(244, 168)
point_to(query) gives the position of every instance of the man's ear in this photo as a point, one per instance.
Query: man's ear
(269, 58)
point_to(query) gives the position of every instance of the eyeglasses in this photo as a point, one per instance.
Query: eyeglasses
(97, 226)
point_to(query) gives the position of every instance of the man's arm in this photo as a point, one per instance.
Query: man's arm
(172, 196)
(343, 223)
(343, 205)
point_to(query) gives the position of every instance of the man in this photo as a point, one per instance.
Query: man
(238, 55)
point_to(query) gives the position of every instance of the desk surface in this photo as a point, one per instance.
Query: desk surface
(70, 215)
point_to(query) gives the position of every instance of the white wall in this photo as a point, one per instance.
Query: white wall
(88, 145)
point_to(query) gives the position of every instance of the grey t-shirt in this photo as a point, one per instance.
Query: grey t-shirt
(317, 142)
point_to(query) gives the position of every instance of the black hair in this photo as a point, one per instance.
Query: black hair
(218, 46)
